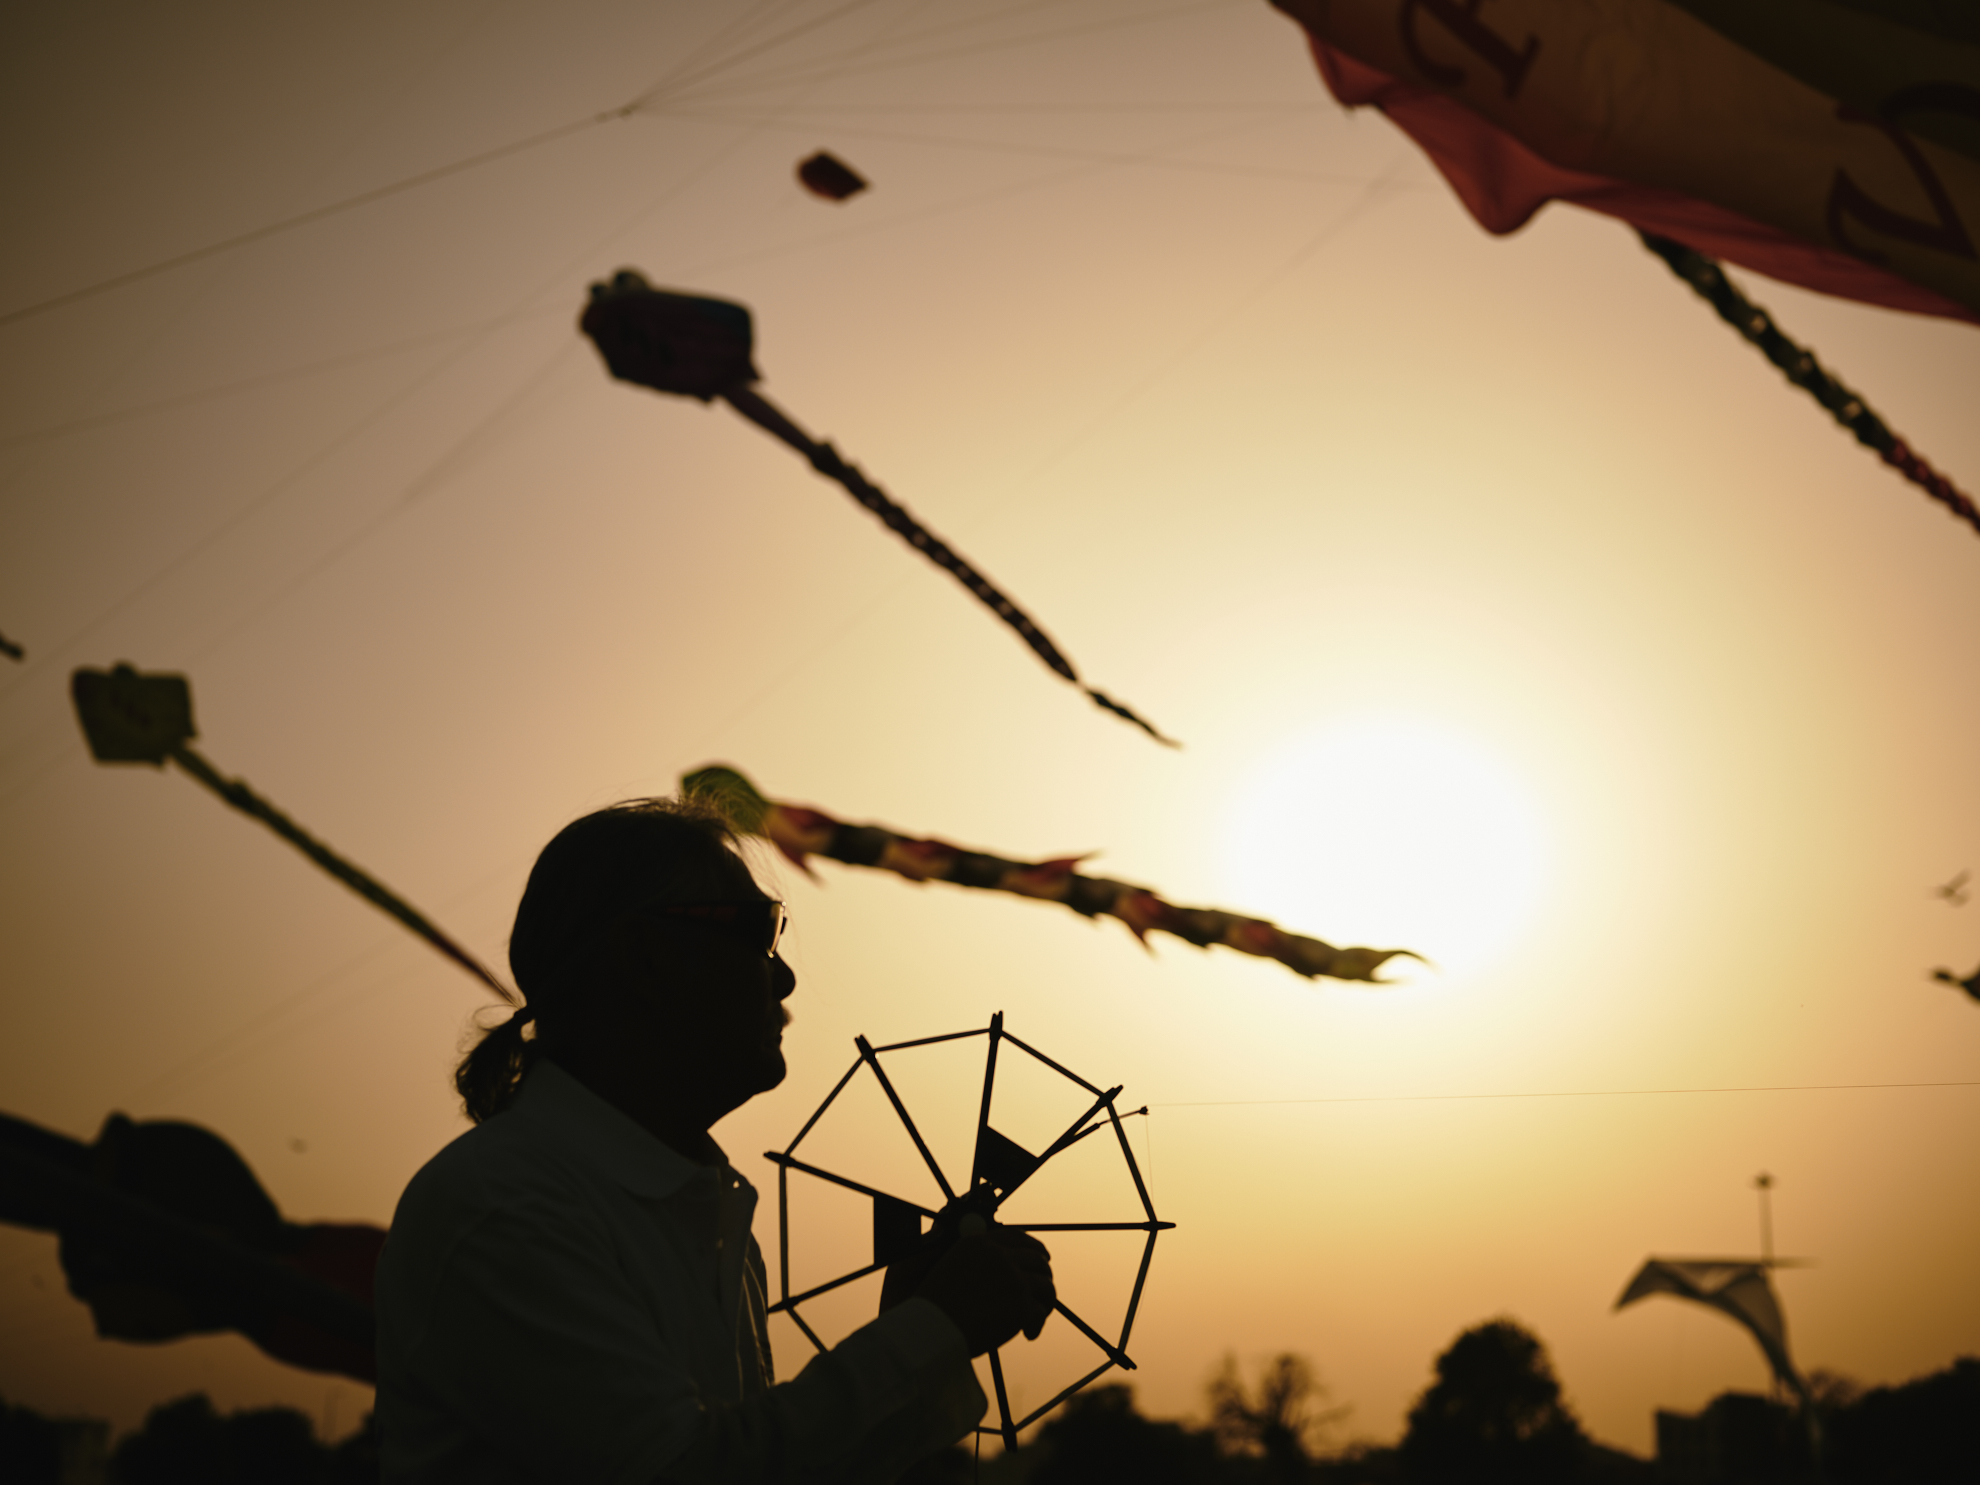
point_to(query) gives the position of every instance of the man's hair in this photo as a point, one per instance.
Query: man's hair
(594, 871)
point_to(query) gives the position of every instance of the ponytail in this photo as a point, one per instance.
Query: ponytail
(494, 1068)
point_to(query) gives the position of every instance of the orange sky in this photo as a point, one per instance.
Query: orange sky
(1225, 388)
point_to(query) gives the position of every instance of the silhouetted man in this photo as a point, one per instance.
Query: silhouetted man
(570, 1291)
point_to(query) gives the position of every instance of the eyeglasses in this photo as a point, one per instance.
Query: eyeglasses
(758, 922)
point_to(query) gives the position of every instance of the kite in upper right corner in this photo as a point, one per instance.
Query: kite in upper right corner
(1830, 144)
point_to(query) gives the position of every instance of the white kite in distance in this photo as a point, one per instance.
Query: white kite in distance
(1738, 1287)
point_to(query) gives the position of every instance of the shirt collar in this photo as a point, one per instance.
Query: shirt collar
(601, 1136)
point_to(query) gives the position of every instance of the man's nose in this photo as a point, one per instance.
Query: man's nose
(784, 977)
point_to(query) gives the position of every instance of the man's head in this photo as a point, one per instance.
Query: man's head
(645, 949)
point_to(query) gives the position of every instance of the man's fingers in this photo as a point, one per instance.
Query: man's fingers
(1015, 1243)
(1032, 1262)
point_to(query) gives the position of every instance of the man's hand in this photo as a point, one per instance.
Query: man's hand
(992, 1285)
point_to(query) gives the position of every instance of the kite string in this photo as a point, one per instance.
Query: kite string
(318, 214)
(835, 69)
(260, 379)
(1802, 369)
(348, 203)
(781, 119)
(323, 453)
(1249, 1103)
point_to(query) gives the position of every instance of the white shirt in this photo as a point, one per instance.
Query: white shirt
(563, 1297)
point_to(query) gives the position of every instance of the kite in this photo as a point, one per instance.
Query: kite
(1971, 984)
(1805, 372)
(1739, 1288)
(1954, 891)
(166, 1233)
(131, 718)
(1773, 134)
(697, 347)
(830, 177)
(10, 649)
(999, 1166)
(800, 832)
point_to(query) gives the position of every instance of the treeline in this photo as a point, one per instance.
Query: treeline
(186, 1442)
(1493, 1415)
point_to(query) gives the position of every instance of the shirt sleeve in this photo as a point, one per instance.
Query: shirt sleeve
(534, 1339)
(893, 1392)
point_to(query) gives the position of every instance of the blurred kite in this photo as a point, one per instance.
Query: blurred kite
(165, 1233)
(133, 718)
(1801, 368)
(800, 833)
(1954, 891)
(698, 347)
(828, 176)
(1740, 1289)
(1971, 984)
(1825, 143)
(9, 648)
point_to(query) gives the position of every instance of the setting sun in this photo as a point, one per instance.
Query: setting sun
(1392, 832)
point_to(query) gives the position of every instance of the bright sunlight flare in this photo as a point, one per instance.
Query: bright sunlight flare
(1390, 832)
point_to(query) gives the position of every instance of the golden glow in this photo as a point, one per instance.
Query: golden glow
(1392, 832)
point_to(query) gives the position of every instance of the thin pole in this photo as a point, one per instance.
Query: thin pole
(1764, 1184)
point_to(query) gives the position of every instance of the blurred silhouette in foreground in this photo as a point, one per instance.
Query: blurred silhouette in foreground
(572, 1290)
(166, 1233)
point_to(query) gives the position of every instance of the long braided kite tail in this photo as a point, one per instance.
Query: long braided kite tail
(827, 461)
(1806, 372)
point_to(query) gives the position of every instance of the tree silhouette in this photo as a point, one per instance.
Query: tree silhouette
(30, 1447)
(1281, 1423)
(188, 1442)
(1494, 1416)
(1101, 1440)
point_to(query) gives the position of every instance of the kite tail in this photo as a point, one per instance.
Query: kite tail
(248, 802)
(1801, 368)
(801, 832)
(1107, 703)
(895, 517)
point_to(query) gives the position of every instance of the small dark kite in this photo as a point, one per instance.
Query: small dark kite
(829, 176)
